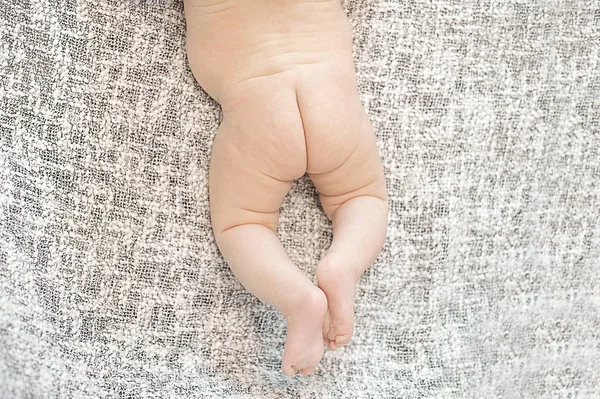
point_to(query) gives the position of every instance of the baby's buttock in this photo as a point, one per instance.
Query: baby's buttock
(298, 125)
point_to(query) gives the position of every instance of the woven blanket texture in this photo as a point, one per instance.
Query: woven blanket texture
(487, 116)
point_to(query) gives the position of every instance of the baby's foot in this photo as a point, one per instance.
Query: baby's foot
(304, 344)
(339, 286)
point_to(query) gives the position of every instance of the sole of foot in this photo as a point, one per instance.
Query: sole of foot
(304, 343)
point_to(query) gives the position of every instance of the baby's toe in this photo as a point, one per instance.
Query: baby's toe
(288, 369)
(341, 340)
(307, 371)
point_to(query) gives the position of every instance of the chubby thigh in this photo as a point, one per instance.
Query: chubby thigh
(258, 151)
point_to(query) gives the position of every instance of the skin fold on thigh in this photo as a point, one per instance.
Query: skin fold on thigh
(259, 150)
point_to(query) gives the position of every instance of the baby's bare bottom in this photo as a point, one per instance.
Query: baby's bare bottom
(281, 127)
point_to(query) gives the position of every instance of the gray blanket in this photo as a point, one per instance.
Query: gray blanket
(111, 285)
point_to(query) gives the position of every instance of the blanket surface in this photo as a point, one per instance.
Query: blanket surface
(488, 123)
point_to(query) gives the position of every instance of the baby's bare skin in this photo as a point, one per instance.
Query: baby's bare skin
(283, 73)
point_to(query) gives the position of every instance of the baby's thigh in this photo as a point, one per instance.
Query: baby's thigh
(242, 195)
(259, 149)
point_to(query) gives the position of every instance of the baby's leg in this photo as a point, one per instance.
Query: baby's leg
(247, 188)
(352, 191)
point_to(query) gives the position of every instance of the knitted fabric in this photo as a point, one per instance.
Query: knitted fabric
(111, 284)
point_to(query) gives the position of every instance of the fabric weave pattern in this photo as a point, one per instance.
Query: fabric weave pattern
(111, 285)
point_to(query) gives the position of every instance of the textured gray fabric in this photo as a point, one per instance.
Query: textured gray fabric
(111, 285)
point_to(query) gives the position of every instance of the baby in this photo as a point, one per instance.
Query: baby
(283, 73)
